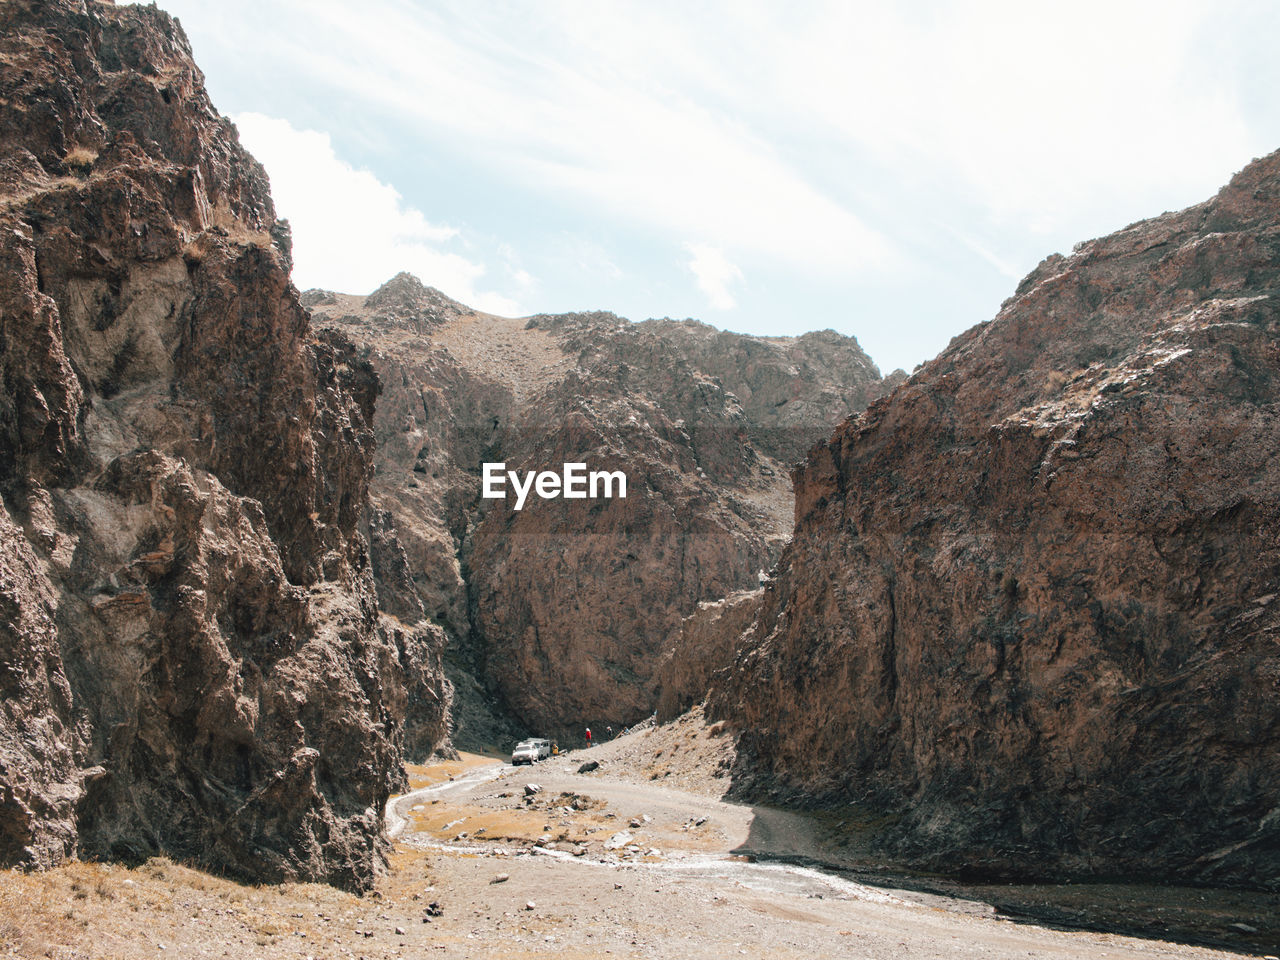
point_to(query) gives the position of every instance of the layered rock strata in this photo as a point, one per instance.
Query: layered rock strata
(1031, 612)
(193, 657)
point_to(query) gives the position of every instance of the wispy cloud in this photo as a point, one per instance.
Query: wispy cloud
(1003, 265)
(1036, 113)
(703, 121)
(715, 274)
(352, 231)
(587, 120)
(817, 145)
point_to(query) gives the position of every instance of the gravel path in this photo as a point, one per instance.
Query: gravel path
(529, 872)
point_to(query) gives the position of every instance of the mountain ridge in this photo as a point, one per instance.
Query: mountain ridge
(709, 507)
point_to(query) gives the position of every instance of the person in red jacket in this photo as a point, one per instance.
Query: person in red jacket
(588, 736)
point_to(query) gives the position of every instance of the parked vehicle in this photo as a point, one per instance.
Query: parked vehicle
(526, 751)
(530, 751)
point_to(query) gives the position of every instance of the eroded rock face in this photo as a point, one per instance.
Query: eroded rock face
(786, 387)
(560, 612)
(195, 658)
(1030, 610)
(40, 777)
(576, 599)
(707, 642)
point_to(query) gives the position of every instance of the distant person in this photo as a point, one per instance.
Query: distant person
(588, 736)
(608, 733)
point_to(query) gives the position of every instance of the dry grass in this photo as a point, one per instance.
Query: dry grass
(1055, 380)
(80, 160)
(112, 912)
(236, 230)
(428, 775)
(446, 821)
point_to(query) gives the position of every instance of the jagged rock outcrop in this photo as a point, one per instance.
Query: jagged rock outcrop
(706, 643)
(194, 660)
(561, 611)
(786, 387)
(41, 779)
(1030, 613)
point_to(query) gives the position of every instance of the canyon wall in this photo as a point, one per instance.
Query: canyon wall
(558, 615)
(193, 659)
(1031, 614)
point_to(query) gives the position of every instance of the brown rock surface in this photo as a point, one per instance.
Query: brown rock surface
(1030, 611)
(40, 778)
(707, 642)
(561, 611)
(194, 660)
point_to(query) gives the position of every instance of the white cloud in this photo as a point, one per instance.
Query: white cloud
(351, 231)
(839, 150)
(805, 134)
(715, 273)
(545, 103)
(1039, 114)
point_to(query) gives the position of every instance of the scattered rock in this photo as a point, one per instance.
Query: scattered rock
(589, 766)
(618, 840)
(501, 878)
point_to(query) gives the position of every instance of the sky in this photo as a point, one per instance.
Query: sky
(889, 171)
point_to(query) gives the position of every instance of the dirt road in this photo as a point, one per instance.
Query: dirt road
(544, 861)
(639, 859)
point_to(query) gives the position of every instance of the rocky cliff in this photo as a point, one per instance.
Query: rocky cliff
(192, 656)
(1030, 614)
(561, 611)
(706, 643)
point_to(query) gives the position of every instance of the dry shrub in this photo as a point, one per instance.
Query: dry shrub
(1055, 380)
(236, 230)
(80, 160)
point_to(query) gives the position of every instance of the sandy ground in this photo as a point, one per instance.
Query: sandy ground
(638, 858)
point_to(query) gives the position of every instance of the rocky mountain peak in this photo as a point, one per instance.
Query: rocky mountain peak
(405, 297)
(559, 613)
